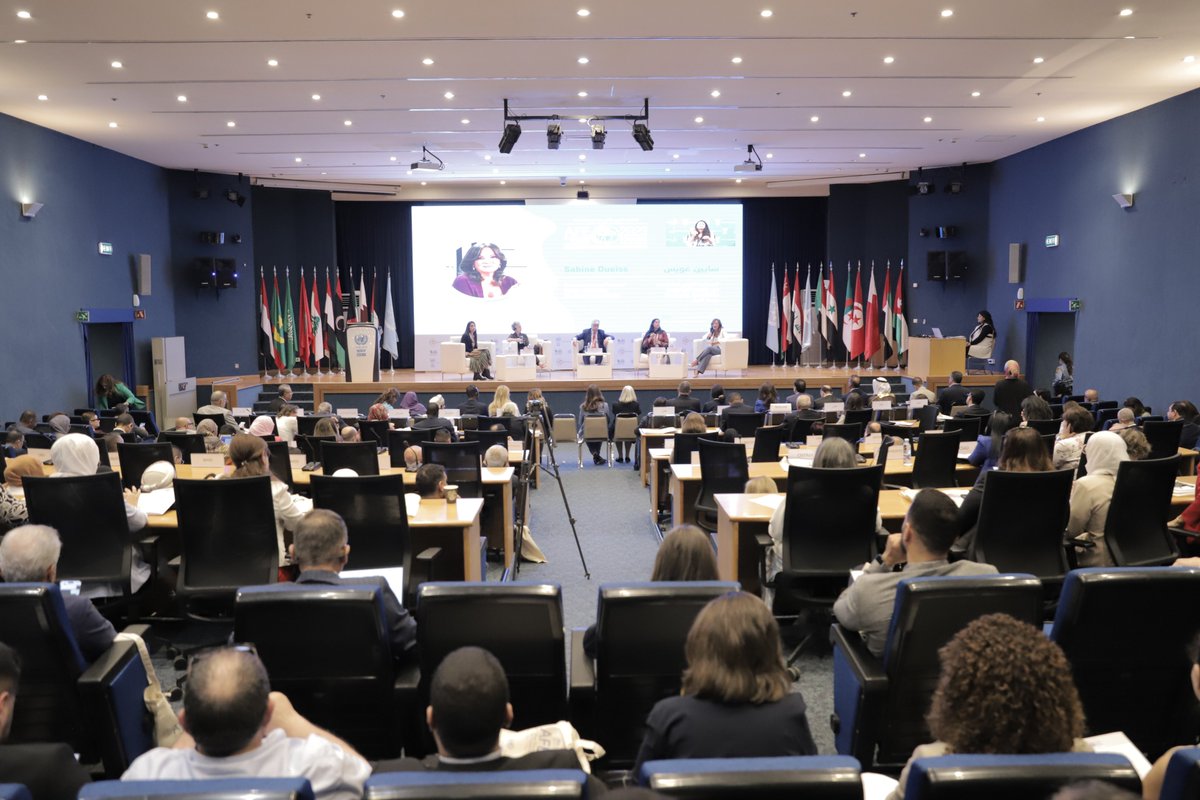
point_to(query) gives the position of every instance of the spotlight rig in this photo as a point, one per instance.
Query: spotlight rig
(597, 130)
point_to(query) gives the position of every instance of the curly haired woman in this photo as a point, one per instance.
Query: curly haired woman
(1004, 689)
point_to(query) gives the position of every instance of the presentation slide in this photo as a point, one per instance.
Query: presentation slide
(557, 267)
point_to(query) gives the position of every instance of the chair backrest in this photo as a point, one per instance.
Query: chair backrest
(399, 441)
(744, 424)
(487, 439)
(327, 648)
(595, 428)
(281, 462)
(1056, 411)
(362, 457)
(799, 429)
(852, 432)
(514, 425)
(1163, 437)
(1045, 426)
(515, 785)
(992, 777)
(227, 536)
(216, 789)
(311, 445)
(641, 629)
(38, 441)
(189, 444)
(219, 419)
(375, 430)
(858, 416)
(926, 417)
(1132, 677)
(14, 791)
(1136, 527)
(374, 511)
(521, 624)
(1182, 779)
(829, 518)
(927, 613)
(683, 445)
(968, 426)
(767, 442)
(625, 428)
(1105, 416)
(936, 460)
(723, 469)
(462, 464)
(88, 512)
(307, 425)
(563, 428)
(1022, 518)
(815, 777)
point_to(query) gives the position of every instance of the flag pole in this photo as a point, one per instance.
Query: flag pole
(262, 358)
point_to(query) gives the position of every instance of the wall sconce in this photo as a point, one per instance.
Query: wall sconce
(1124, 200)
(30, 210)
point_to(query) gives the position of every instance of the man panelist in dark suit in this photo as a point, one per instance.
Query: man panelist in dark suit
(321, 548)
(593, 339)
(953, 395)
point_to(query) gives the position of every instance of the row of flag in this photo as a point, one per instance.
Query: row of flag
(319, 330)
(790, 320)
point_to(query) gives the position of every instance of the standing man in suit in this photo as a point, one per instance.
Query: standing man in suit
(321, 548)
(593, 339)
(684, 402)
(1011, 390)
(953, 395)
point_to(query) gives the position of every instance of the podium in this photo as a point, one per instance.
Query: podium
(929, 357)
(362, 352)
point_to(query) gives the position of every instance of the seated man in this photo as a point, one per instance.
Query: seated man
(49, 771)
(218, 404)
(683, 402)
(25, 423)
(125, 424)
(350, 434)
(825, 396)
(922, 548)
(736, 406)
(472, 406)
(431, 482)
(801, 386)
(235, 727)
(496, 457)
(14, 444)
(412, 458)
(184, 425)
(321, 547)
(29, 554)
(974, 405)
(282, 398)
(432, 420)
(593, 339)
(92, 421)
(1091, 396)
(919, 389)
(468, 706)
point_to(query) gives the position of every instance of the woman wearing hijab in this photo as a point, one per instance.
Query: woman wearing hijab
(1091, 495)
(263, 425)
(655, 336)
(12, 492)
(412, 405)
(76, 454)
(60, 424)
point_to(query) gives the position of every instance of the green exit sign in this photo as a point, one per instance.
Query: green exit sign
(83, 316)
(1052, 240)
(1074, 304)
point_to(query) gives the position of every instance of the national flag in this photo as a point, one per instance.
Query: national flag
(799, 323)
(391, 341)
(901, 333)
(829, 309)
(264, 321)
(278, 326)
(871, 333)
(363, 314)
(339, 323)
(806, 310)
(291, 345)
(317, 331)
(773, 316)
(330, 320)
(374, 297)
(889, 314)
(848, 317)
(305, 328)
(857, 318)
(785, 329)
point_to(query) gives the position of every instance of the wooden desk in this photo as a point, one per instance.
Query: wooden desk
(656, 438)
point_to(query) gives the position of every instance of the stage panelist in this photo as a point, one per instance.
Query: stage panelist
(655, 336)
(522, 340)
(716, 335)
(481, 272)
(593, 339)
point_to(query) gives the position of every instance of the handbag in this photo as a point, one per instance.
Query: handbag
(559, 735)
(166, 723)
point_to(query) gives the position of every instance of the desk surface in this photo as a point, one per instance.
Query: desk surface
(430, 514)
(774, 469)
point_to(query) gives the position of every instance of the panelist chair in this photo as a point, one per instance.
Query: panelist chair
(578, 347)
(362, 457)
(734, 355)
(452, 357)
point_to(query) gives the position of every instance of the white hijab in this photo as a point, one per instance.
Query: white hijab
(77, 454)
(1105, 452)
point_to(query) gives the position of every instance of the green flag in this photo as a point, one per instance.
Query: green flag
(278, 327)
(290, 342)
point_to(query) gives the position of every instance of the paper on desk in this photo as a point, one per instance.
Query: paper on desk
(394, 576)
(876, 786)
(800, 461)
(412, 503)
(1183, 489)
(771, 501)
(1118, 743)
(965, 449)
(956, 495)
(157, 502)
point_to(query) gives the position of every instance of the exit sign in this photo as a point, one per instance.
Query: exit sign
(1052, 240)
(139, 313)
(1074, 304)
(105, 248)
(83, 316)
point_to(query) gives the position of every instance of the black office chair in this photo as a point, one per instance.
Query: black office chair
(996, 777)
(926, 417)
(1105, 417)
(38, 441)
(461, 462)
(767, 442)
(136, 457)
(1022, 519)
(218, 419)
(880, 703)
(852, 432)
(328, 649)
(684, 444)
(1133, 677)
(281, 462)
(227, 540)
(521, 624)
(1162, 436)
(1056, 411)
(936, 460)
(1136, 527)
(514, 425)
(97, 709)
(399, 441)
(744, 424)
(810, 777)
(858, 416)
(723, 470)
(968, 427)
(189, 443)
(88, 511)
(799, 430)
(307, 424)
(375, 431)
(144, 418)
(540, 784)
(1045, 426)
(487, 439)
(1048, 442)
(212, 789)
(362, 457)
(641, 629)
(311, 445)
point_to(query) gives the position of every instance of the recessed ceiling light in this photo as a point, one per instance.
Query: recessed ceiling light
(582, 94)
(770, 155)
(465, 121)
(298, 159)
(495, 171)
(582, 59)
(715, 93)
(112, 124)
(427, 62)
(947, 12)
(974, 94)
(324, 173)
(667, 169)
(862, 155)
(423, 183)
(487, 157)
(43, 97)
(1040, 119)
(182, 98)
(316, 97)
(348, 122)
(1130, 37)
(583, 12)
(814, 119)
(1188, 59)
(117, 65)
(397, 13)
(393, 158)
(929, 119)
(736, 59)
(766, 12)
(20, 41)
(847, 93)
(583, 169)
(581, 183)
(212, 15)
(231, 124)
(1039, 60)
(737, 180)
(674, 155)
(272, 62)
(1126, 12)
(583, 156)
(449, 95)
(699, 120)
(24, 15)
(889, 59)
(502, 183)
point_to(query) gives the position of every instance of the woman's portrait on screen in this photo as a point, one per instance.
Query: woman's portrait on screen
(481, 272)
(701, 235)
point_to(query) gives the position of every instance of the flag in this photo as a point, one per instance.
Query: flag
(339, 323)
(290, 346)
(871, 333)
(270, 352)
(374, 296)
(773, 316)
(901, 334)
(333, 348)
(785, 329)
(889, 316)
(799, 323)
(856, 340)
(829, 309)
(304, 343)
(363, 315)
(848, 317)
(806, 310)
(278, 326)
(317, 331)
(391, 342)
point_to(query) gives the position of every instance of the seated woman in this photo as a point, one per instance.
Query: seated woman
(250, 458)
(627, 403)
(1004, 689)
(1034, 407)
(378, 412)
(263, 425)
(1077, 423)
(1091, 495)
(327, 426)
(412, 405)
(766, 396)
(761, 485)
(594, 405)
(737, 699)
(480, 358)
(987, 448)
(212, 439)
(1021, 451)
(12, 493)
(286, 423)
(388, 398)
(655, 336)
(714, 337)
(502, 403)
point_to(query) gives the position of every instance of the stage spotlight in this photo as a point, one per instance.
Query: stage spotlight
(512, 132)
(233, 197)
(641, 135)
(925, 187)
(954, 187)
(598, 136)
(553, 135)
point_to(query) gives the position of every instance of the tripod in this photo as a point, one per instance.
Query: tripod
(538, 422)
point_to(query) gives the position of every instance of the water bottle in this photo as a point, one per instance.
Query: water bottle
(907, 450)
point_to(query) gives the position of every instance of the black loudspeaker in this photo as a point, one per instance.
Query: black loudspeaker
(205, 270)
(935, 265)
(956, 265)
(227, 276)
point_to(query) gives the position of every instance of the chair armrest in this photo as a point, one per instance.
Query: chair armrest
(137, 630)
(860, 689)
(111, 691)
(895, 486)
(581, 696)
(583, 669)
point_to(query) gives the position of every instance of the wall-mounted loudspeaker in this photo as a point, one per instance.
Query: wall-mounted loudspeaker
(1016, 262)
(143, 274)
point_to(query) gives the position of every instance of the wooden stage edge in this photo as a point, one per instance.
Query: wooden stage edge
(565, 380)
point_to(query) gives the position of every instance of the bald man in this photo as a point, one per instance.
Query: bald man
(1011, 390)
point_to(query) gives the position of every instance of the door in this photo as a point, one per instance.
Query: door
(1050, 333)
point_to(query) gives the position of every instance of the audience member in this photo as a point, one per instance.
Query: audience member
(60, 424)
(25, 423)
(496, 457)
(1136, 443)
(1090, 497)
(922, 549)
(324, 408)
(212, 441)
(853, 386)
(1022, 450)
(412, 458)
(736, 699)
(442, 436)
(321, 548)
(29, 554)
(1152, 781)
(109, 442)
(683, 402)
(236, 727)
(881, 392)
(825, 396)
(955, 394)
(627, 403)
(349, 434)
(14, 444)
(251, 457)
(1124, 420)
(262, 426)
(987, 446)
(471, 406)
(1135, 405)
(111, 393)
(1034, 407)
(502, 403)
(854, 401)
(693, 423)
(594, 405)
(1077, 424)
(92, 421)
(12, 491)
(182, 424)
(49, 771)
(1011, 390)
(433, 422)
(286, 424)
(761, 485)
(919, 389)
(1091, 396)
(1004, 688)
(126, 426)
(328, 426)
(799, 387)
(804, 411)
(735, 408)
(218, 403)
(412, 405)
(1185, 411)
(283, 396)
(431, 482)
(975, 407)
(716, 399)
(1094, 790)
(766, 396)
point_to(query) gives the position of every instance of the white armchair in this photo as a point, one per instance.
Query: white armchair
(453, 358)
(577, 349)
(593, 371)
(735, 354)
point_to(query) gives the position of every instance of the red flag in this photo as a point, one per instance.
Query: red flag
(785, 319)
(268, 329)
(871, 340)
(856, 335)
(305, 331)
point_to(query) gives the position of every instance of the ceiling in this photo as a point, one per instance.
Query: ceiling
(367, 67)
